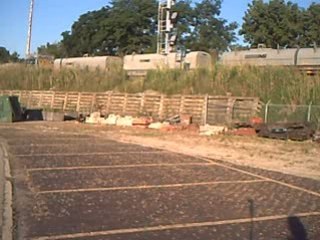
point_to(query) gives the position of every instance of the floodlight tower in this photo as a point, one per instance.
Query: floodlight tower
(28, 47)
(166, 20)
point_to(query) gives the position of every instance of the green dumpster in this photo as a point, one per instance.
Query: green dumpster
(10, 110)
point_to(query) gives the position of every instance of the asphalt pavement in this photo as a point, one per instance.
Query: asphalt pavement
(71, 185)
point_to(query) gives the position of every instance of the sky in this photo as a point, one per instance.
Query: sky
(52, 17)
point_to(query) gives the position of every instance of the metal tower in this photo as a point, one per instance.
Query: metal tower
(28, 47)
(165, 26)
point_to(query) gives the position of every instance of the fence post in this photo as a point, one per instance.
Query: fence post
(309, 112)
(266, 112)
(161, 106)
(125, 102)
(29, 101)
(142, 103)
(230, 109)
(52, 100)
(20, 94)
(94, 106)
(205, 109)
(78, 102)
(65, 101)
(40, 100)
(181, 108)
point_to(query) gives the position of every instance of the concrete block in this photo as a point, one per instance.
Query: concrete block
(209, 130)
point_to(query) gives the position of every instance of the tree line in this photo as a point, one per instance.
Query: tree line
(280, 23)
(126, 26)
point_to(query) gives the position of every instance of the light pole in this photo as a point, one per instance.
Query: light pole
(165, 26)
(28, 47)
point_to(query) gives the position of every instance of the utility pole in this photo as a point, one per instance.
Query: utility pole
(165, 25)
(28, 47)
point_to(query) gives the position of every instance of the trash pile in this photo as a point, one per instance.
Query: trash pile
(254, 127)
(176, 122)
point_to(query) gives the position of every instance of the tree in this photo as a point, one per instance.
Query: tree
(209, 31)
(127, 26)
(311, 19)
(85, 34)
(6, 57)
(186, 12)
(14, 57)
(280, 23)
(134, 25)
(56, 50)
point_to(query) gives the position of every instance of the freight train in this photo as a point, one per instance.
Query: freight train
(305, 59)
(138, 64)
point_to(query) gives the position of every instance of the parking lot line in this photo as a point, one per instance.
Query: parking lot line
(40, 145)
(87, 154)
(149, 186)
(173, 227)
(265, 178)
(119, 166)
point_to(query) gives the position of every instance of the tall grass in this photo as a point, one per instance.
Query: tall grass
(279, 84)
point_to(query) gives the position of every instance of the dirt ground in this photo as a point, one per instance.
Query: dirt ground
(296, 158)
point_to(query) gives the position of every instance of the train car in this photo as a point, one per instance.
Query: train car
(140, 64)
(105, 63)
(45, 61)
(307, 59)
(198, 60)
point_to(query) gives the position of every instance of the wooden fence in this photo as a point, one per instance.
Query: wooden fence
(203, 108)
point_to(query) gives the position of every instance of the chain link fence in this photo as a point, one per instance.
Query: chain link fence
(280, 113)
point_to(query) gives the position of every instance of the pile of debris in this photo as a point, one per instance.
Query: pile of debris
(177, 122)
(254, 127)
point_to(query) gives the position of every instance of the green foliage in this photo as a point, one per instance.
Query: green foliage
(278, 22)
(6, 57)
(56, 50)
(281, 85)
(311, 18)
(127, 26)
(209, 32)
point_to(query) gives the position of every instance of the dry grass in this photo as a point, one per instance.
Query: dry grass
(281, 85)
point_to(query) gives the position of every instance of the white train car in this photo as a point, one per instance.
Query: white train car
(306, 59)
(140, 64)
(105, 63)
(259, 57)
